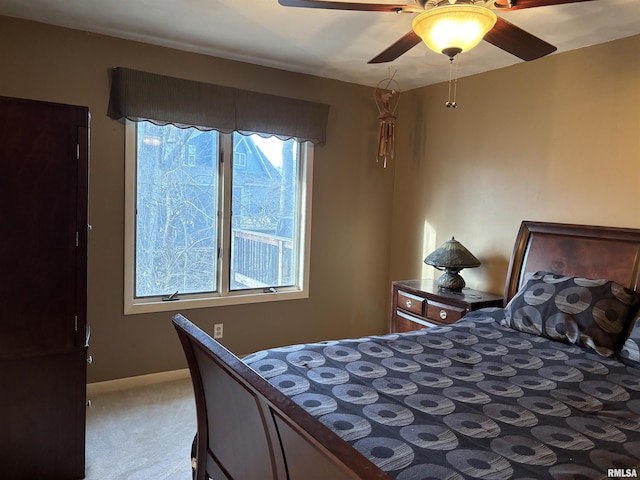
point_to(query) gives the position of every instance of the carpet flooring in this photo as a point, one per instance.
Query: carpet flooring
(141, 433)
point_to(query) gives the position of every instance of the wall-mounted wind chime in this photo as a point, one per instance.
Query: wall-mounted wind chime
(387, 96)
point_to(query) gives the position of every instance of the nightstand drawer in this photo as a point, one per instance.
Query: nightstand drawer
(408, 323)
(442, 313)
(411, 303)
(422, 303)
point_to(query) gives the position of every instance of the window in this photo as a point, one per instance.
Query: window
(214, 233)
(191, 155)
(239, 159)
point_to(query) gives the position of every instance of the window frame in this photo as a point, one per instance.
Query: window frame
(224, 296)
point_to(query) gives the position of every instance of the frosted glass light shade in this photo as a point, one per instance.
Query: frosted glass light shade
(453, 28)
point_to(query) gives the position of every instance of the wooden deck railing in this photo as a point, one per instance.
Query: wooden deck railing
(261, 260)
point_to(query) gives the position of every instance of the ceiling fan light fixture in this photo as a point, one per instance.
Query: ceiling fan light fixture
(452, 29)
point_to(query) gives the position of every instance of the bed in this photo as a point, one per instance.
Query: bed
(547, 387)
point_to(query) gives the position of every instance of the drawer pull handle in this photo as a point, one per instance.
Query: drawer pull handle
(443, 314)
(408, 303)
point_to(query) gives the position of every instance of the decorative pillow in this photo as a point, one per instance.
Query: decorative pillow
(630, 351)
(592, 313)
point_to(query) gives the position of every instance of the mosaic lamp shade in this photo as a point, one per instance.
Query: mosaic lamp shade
(451, 257)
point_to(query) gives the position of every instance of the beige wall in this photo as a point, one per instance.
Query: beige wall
(557, 139)
(351, 199)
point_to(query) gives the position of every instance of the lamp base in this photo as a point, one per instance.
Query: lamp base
(451, 280)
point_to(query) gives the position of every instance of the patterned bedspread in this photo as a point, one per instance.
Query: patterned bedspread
(468, 401)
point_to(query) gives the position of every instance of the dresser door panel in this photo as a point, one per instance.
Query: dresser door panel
(38, 252)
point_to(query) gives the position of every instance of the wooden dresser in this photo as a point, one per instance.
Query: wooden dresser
(421, 303)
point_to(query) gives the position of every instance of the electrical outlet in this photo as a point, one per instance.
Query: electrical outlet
(217, 330)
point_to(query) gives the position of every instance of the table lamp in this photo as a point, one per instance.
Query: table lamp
(451, 257)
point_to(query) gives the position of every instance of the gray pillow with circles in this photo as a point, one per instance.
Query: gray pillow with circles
(592, 313)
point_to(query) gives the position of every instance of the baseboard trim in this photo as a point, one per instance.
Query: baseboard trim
(137, 381)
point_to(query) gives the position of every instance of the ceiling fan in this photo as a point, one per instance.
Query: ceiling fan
(492, 29)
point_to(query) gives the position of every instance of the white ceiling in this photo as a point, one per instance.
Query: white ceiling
(329, 43)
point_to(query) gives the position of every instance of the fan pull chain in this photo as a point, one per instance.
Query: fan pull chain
(453, 79)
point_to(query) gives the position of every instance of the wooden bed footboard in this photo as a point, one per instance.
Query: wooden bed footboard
(247, 429)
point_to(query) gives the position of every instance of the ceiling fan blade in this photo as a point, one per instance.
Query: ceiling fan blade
(520, 4)
(517, 42)
(364, 7)
(402, 46)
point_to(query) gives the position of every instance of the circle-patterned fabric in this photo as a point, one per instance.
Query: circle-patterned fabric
(591, 313)
(496, 403)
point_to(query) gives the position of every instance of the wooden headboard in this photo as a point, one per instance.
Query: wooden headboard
(575, 250)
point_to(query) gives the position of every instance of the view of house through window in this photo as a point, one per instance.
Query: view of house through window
(210, 222)
(263, 227)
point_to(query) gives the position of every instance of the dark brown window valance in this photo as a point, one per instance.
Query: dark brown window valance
(140, 96)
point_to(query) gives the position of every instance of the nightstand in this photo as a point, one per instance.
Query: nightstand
(421, 303)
